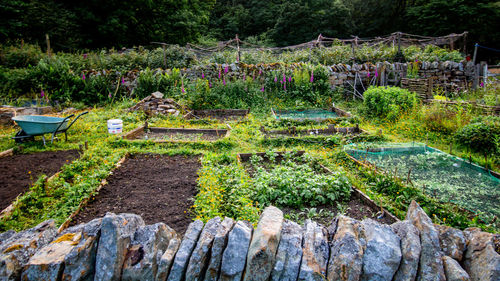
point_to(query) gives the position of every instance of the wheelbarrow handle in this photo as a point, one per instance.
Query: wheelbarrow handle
(64, 120)
(83, 113)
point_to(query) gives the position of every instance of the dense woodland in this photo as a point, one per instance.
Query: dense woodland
(95, 24)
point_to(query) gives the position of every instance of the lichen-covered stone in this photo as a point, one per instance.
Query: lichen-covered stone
(188, 243)
(167, 258)
(18, 248)
(346, 258)
(410, 250)
(315, 252)
(453, 270)
(79, 263)
(289, 253)
(218, 246)
(265, 241)
(382, 254)
(235, 254)
(201, 253)
(116, 234)
(452, 241)
(431, 263)
(147, 246)
(481, 260)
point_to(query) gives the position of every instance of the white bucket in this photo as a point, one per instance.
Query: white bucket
(115, 126)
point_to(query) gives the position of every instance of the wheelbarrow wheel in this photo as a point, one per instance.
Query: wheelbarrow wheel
(22, 137)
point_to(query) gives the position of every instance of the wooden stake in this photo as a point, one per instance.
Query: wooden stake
(48, 45)
(86, 145)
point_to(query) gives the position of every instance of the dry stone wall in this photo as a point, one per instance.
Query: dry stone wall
(122, 247)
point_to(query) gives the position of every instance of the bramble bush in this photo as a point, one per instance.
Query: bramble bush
(388, 102)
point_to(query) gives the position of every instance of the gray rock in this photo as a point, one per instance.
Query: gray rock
(79, 263)
(185, 249)
(16, 250)
(220, 242)
(315, 252)
(167, 258)
(382, 253)
(201, 253)
(431, 263)
(144, 254)
(116, 234)
(157, 95)
(410, 250)
(265, 241)
(235, 254)
(346, 258)
(453, 270)
(481, 260)
(452, 241)
(6, 235)
(289, 253)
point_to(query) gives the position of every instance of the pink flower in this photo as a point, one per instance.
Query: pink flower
(290, 79)
(42, 93)
(482, 84)
(368, 74)
(123, 81)
(376, 73)
(312, 76)
(262, 89)
(84, 56)
(275, 79)
(219, 73)
(284, 78)
(109, 95)
(210, 84)
(202, 75)
(226, 69)
(83, 76)
(224, 81)
(260, 72)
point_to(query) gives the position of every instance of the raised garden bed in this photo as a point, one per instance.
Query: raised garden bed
(19, 171)
(158, 134)
(293, 132)
(220, 114)
(440, 175)
(310, 114)
(157, 187)
(358, 205)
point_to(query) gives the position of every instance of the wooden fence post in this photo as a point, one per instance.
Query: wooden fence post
(47, 40)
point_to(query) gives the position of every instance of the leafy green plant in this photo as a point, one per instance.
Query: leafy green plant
(482, 135)
(388, 102)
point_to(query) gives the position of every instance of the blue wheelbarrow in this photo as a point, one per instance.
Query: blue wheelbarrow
(38, 125)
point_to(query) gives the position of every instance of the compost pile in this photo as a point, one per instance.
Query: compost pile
(156, 104)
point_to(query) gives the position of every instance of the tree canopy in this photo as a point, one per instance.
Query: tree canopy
(113, 23)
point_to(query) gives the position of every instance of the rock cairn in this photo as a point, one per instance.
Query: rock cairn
(122, 247)
(156, 104)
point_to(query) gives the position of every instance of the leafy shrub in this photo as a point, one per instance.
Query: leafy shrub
(482, 135)
(388, 102)
(445, 119)
(17, 57)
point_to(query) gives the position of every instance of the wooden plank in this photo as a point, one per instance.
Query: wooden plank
(6, 153)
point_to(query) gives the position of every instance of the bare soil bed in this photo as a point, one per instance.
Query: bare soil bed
(157, 187)
(176, 134)
(219, 114)
(18, 172)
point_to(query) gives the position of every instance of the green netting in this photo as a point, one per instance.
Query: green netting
(306, 114)
(441, 175)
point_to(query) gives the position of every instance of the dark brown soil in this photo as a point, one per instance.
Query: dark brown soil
(159, 188)
(355, 209)
(18, 172)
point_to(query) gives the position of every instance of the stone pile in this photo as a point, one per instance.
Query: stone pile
(156, 104)
(7, 112)
(122, 247)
